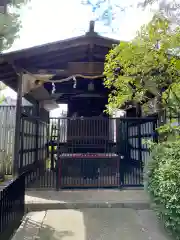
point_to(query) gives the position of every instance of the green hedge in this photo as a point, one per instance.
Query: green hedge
(162, 181)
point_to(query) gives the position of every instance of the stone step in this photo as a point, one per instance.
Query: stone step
(44, 200)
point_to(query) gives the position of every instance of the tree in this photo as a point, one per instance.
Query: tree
(169, 8)
(10, 22)
(146, 64)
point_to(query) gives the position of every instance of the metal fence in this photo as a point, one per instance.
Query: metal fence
(33, 148)
(88, 171)
(87, 157)
(7, 135)
(12, 207)
(67, 139)
(33, 140)
(84, 133)
(133, 134)
(97, 152)
(84, 152)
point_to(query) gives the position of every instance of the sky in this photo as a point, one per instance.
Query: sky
(46, 21)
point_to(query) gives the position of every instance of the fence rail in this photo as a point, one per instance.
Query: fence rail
(12, 207)
(33, 148)
(97, 151)
(7, 136)
(33, 139)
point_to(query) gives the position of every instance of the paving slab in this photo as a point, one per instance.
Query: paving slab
(149, 220)
(30, 226)
(97, 224)
(44, 200)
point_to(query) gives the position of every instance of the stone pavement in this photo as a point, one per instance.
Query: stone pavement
(45, 200)
(91, 224)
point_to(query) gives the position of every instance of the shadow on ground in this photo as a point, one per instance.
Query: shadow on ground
(88, 224)
(31, 229)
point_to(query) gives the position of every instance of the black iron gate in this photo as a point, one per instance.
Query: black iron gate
(33, 152)
(85, 152)
(132, 136)
(100, 152)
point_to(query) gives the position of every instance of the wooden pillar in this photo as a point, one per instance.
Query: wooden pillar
(71, 108)
(138, 110)
(17, 127)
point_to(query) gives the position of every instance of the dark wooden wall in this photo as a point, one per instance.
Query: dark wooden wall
(87, 107)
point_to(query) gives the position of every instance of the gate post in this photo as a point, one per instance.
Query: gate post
(120, 141)
(22, 144)
(140, 142)
(17, 126)
(155, 132)
(38, 165)
(58, 164)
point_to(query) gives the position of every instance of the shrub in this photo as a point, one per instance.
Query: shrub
(162, 181)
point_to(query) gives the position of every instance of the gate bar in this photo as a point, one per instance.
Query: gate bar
(17, 126)
(58, 164)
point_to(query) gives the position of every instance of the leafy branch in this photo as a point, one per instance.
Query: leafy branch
(10, 22)
(135, 69)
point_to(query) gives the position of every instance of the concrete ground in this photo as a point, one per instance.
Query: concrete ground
(91, 224)
(46, 200)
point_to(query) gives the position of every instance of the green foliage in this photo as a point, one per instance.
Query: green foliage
(2, 87)
(10, 23)
(162, 177)
(171, 99)
(169, 129)
(169, 8)
(144, 64)
(162, 181)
